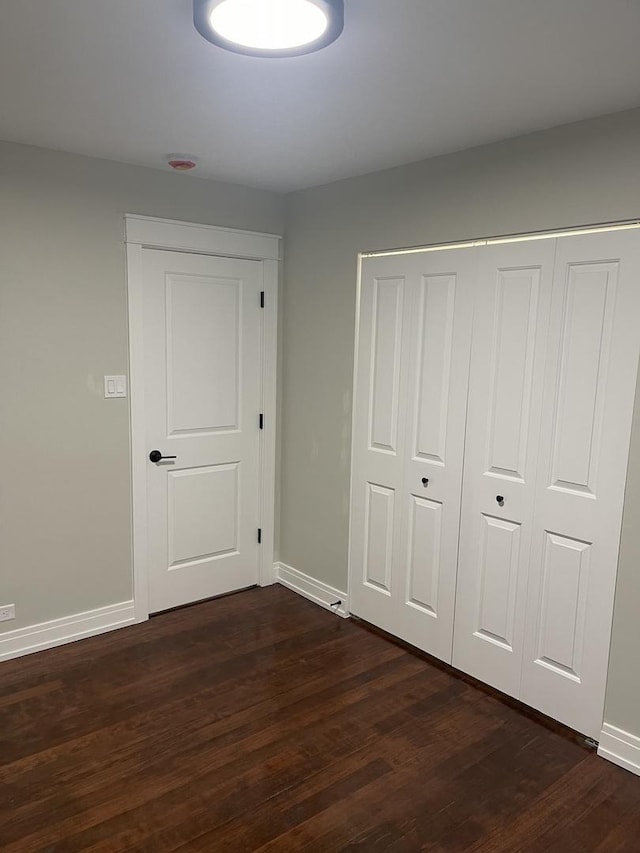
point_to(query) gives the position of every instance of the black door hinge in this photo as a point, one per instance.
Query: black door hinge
(262, 298)
(261, 421)
(259, 536)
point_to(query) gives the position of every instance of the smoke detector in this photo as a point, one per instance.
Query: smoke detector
(181, 162)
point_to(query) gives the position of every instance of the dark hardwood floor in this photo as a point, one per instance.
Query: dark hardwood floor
(261, 722)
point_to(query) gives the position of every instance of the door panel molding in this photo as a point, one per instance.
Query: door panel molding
(385, 367)
(142, 233)
(435, 344)
(512, 367)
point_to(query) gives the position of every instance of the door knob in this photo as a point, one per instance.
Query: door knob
(156, 456)
(425, 482)
(500, 500)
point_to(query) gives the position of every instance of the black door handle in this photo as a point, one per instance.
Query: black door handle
(500, 499)
(156, 456)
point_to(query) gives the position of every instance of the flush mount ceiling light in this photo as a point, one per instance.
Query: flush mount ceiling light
(269, 27)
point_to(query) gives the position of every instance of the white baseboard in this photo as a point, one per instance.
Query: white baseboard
(315, 590)
(46, 635)
(620, 747)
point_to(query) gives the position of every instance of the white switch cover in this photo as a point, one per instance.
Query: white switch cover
(115, 386)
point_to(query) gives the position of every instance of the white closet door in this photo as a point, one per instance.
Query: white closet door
(412, 370)
(588, 401)
(513, 291)
(379, 418)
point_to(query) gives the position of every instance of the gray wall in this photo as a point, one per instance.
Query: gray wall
(64, 477)
(576, 174)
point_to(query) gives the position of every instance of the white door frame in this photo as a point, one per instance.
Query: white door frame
(145, 232)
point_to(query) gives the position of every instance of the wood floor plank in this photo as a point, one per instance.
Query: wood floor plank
(401, 749)
(198, 782)
(218, 727)
(261, 722)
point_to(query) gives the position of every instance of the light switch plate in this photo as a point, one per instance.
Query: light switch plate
(115, 386)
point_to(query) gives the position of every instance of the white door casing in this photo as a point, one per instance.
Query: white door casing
(203, 367)
(511, 316)
(589, 391)
(410, 399)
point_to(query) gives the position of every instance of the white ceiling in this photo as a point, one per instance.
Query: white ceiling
(132, 80)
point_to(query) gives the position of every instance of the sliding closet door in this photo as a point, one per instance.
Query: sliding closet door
(411, 386)
(587, 408)
(512, 300)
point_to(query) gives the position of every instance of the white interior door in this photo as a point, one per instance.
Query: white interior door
(202, 375)
(413, 354)
(511, 318)
(582, 462)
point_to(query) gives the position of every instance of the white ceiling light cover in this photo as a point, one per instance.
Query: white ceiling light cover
(275, 25)
(269, 27)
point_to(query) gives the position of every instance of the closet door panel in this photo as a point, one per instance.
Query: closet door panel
(378, 536)
(386, 343)
(516, 293)
(498, 565)
(424, 555)
(410, 401)
(588, 402)
(433, 357)
(379, 419)
(438, 348)
(512, 302)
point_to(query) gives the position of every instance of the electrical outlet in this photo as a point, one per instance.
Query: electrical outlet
(7, 612)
